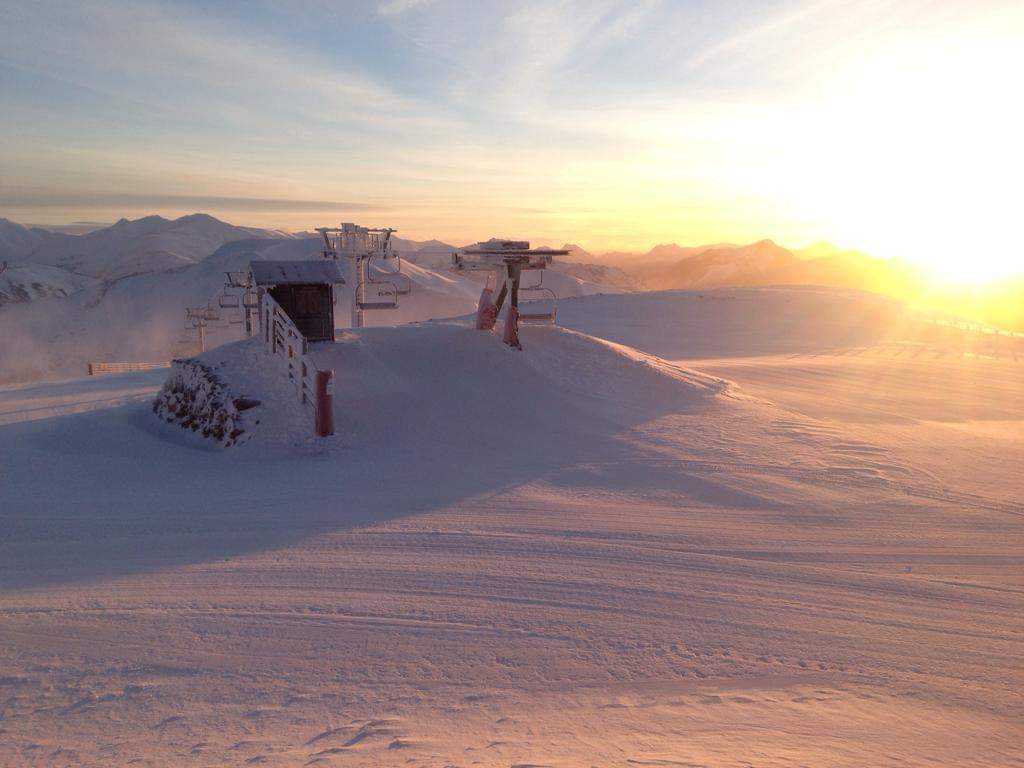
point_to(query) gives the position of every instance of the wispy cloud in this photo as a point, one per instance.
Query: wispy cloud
(678, 116)
(395, 7)
(738, 44)
(156, 55)
(113, 200)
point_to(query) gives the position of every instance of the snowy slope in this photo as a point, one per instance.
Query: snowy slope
(576, 554)
(139, 318)
(142, 317)
(18, 241)
(27, 282)
(721, 323)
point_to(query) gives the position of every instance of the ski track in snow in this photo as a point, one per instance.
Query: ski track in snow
(574, 555)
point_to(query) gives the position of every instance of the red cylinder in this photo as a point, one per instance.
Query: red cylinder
(486, 312)
(511, 335)
(324, 403)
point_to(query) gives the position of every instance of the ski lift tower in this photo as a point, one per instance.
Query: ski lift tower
(360, 245)
(507, 260)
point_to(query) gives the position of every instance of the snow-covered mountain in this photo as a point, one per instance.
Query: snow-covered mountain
(18, 241)
(432, 254)
(760, 263)
(25, 282)
(597, 274)
(150, 244)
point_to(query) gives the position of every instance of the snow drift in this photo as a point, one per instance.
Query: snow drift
(444, 383)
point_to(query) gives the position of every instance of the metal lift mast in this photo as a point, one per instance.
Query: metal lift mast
(360, 245)
(507, 259)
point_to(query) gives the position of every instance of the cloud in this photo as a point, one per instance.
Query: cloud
(107, 200)
(738, 43)
(192, 67)
(397, 7)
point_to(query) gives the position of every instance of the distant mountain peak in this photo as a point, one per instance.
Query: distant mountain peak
(199, 217)
(130, 246)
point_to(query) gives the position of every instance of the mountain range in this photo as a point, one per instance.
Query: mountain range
(150, 244)
(126, 298)
(156, 244)
(119, 292)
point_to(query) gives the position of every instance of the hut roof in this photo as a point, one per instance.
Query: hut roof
(294, 272)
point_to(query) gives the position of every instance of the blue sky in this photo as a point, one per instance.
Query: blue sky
(617, 124)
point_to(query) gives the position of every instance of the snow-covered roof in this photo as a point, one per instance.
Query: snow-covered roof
(501, 247)
(292, 272)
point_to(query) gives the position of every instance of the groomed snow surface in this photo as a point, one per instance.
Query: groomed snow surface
(749, 527)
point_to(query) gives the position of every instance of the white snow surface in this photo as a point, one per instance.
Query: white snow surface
(141, 318)
(27, 282)
(575, 554)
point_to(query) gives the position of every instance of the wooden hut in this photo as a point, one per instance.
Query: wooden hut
(304, 290)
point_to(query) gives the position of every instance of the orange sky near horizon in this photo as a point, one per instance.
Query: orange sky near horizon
(617, 126)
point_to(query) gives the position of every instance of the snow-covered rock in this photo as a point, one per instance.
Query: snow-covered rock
(195, 398)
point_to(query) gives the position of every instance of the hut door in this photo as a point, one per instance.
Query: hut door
(310, 308)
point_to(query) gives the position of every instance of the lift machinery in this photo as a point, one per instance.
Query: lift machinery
(360, 246)
(507, 260)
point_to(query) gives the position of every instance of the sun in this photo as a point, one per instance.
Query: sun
(918, 152)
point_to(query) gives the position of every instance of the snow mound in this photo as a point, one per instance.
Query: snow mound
(252, 392)
(419, 387)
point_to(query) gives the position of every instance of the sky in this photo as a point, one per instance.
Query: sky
(892, 127)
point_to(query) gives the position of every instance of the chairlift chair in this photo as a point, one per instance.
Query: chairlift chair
(390, 296)
(507, 260)
(394, 284)
(537, 317)
(401, 281)
(360, 245)
(228, 301)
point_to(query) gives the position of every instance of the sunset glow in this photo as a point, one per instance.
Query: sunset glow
(896, 132)
(506, 383)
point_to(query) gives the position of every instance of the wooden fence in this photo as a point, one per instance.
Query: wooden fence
(285, 340)
(98, 368)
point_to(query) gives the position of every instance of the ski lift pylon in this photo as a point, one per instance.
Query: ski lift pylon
(507, 260)
(537, 317)
(361, 245)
